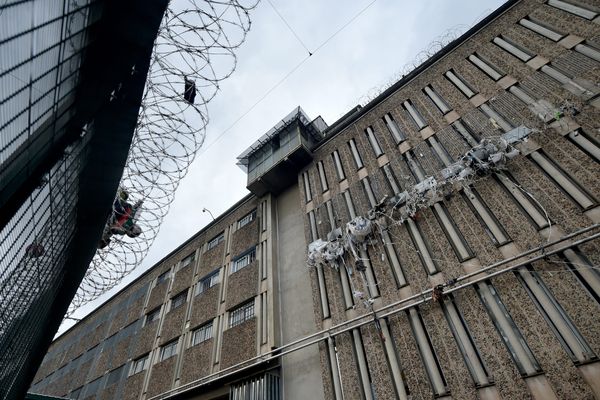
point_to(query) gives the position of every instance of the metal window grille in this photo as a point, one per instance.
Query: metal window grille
(163, 277)
(245, 220)
(207, 282)
(244, 260)
(152, 316)
(373, 141)
(140, 364)
(460, 83)
(241, 314)
(168, 350)
(392, 126)
(179, 300)
(202, 334)
(264, 387)
(485, 66)
(214, 242)
(339, 168)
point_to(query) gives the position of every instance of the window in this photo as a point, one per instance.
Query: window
(168, 350)
(563, 180)
(373, 141)
(414, 114)
(586, 143)
(187, 261)
(510, 334)
(455, 238)
(214, 242)
(244, 260)
(521, 94)
(140, 364)
(513, 48)
(179, 300)
(338, 165)
(485, 216)
(467, 134)
(392, 126)
(163, 277)
(415, 167)
(573, 9)
(246, 219)
(496, 117)
(465, 342)
(349, 204)
(152, 316)
(241, 314)
(313, 225)
(485, 66)
(322, 176)
(560, 323)
(440, 151)
(306, 181)
(439, 102)
(539, 27)
(589, 49)
(369, 191)
(355, 154)
(202, 334)
(208, 281)
(460, 83)
(427, 352)
(390, 178)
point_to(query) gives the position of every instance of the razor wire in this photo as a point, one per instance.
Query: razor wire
(194, 51)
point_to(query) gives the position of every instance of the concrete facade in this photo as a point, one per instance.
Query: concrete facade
(512, 251)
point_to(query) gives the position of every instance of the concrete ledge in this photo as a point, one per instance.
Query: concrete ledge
(451, 116)
(310, 206)
(327, 196)
(528, 147)
(595, 102)
(382, 160)
(426, 132)
(362, 173)
(596, 20)
(477, 100)
(593, 214)
(344, 185)
(537, 62)
(570, 41)
(564, 126)
(404, 147)
(506, 82)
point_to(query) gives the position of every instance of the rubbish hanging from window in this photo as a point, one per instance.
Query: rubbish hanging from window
(122, 221)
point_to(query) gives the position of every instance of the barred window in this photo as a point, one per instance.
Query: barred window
(516, 50)
(214, 242)
(244, 260)
(178, 300)
(168, 350)
(187, 261)
(414, 114)
(241, 314)
(338, 165)
(573, 9)
(373, 141)
(163, 277)
(246, 219)
(392, 126)
(202, 334)
(152, 316)
(355, 154)
(306, 182)
(439, 102)
(322, 176)
(485, 66)
(207, 282)
(460, 83)
(541, 28)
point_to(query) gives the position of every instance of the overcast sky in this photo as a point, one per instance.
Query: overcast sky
(364, 55)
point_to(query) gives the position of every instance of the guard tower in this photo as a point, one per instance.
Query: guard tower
(274, 160)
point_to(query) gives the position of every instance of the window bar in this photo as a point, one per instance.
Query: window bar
(355, 154)
(493, 114)
(586, 143)
(322, 176)
(323, 292)
(437, 100)
(415, 115)
(487, 218)
(585, 272)
(541, 29)
(373, 141)
(430, 362)
(307, 193)
(369, 191)
(349, 204)
(392, 126)
(521, 94)
(313, 225)
(465, 342)
(466, 133)
(460, 83)
(485, 67)
(573, 9)
(512, 48)
(391, 178)
(558, 175)
(510, 334)
(588, 51)
(338, 165)
(440, 151)
(421, 246)
(555, 315)
(456, 239)
(524, 201)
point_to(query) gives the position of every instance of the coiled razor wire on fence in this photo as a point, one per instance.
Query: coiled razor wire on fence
(196, 42)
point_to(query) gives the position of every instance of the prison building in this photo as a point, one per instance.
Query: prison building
(440, 241)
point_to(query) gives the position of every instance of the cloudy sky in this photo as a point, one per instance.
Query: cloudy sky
(369, 50)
